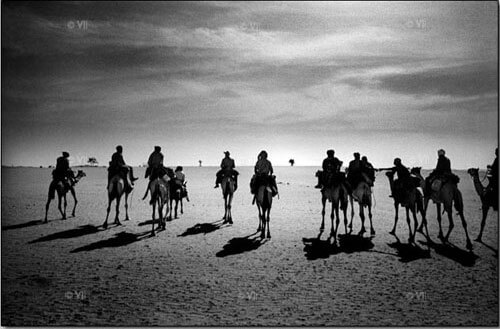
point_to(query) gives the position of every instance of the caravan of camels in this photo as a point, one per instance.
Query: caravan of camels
(340, 188)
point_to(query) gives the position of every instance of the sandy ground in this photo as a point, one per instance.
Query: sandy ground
(197, 272)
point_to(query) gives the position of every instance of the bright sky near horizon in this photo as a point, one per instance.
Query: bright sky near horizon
(398, 79)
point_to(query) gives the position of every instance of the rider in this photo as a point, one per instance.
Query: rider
(155, 164)
(442, 171)
(263, 174)
(63, 172)
(117, 166)
(404, 180)
(227, 168)
(355, 170)
(331, 166)
(180, 180)
(367, 168)
(493, 175)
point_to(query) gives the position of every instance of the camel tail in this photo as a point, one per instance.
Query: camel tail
(146, 194)
(52, 190)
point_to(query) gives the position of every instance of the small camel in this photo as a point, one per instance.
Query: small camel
(62, 189)
(487, 199)
(413, 201)
(264, 198)
(227, 193)
(176, 194)
(363, 196)
(448, 195)
(337, 195)
(116, 189)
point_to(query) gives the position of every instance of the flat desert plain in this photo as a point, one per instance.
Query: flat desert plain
(199, 272)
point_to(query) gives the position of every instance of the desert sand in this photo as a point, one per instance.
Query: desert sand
(198, 272)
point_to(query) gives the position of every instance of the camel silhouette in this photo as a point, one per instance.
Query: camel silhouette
(62, 189)
(337, 195)
(176, 194)
(413, 201)
(487, 200)
(160, 194)
(264, 200)
(362, 193)
(449, 196)
(116, 189)
(227, 193)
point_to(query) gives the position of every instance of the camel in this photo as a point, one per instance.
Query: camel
(177, 195)
(363, 195)
(413, 201)
(487, 200)
(449, 195)
(227, 193)
(62, 189)
(160, 191)
(264, 198)
(336, 195)
(116, 189)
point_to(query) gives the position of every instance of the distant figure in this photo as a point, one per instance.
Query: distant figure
(493, 175)
(292, 162)
(263, 174)
(155, 165)
(117, 166)
(368, 170)
(331, 166)
(441, 174)
(199, 161)
(227, 169)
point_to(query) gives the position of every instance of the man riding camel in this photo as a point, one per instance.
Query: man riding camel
(404, 180)
(63, 172)
(331, 167)
(180, 180)
(368, 170)
(493, 176)
(442, 172)
(355, 171)
(117, 166)
(155, 165)
(227, 169)
(263, 174)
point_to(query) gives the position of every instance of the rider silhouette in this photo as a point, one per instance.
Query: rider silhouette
(227, 168)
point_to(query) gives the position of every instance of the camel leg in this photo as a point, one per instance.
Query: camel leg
(344, 210)
(170, 213)
(267, 223)
(410, 238)
(352, 213)
(449, 211)
(415, 223)
(480, 235)
(182, 207)
(464, 224)
(176, 206)
(322, 228)
(396, 210)
(47, 209)
(225, 210)
(153, 218)
(160, 213)
(440, 235)
(263, 219)
(105, 224)
(59, 206)
(332, 218)
(72, 190)
(117, 221)
(337, 222)
(126, 207)
(260, 218)
(370, 216)
(229, 203)
(362, 216)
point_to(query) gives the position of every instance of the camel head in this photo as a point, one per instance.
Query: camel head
(415, 171)
(473, 171)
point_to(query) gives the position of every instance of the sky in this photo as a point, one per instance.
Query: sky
(398, 79)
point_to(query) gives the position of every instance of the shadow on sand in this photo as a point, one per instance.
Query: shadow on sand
(316, 248)
(409, 252)
(120, 239)
(204, 228)
(495, 251)
(240, 245)
(68, 234)
(448, 250)
(22, 225)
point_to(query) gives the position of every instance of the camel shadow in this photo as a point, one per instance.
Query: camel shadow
(204, 228)
(315, 248)
(69, 234)
(149, 222)
(409, 252)
(22, 225)
(449, 250)
(495, 251)
(120, 239)
(240, 245)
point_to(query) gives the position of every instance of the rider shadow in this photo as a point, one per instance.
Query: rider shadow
(240, 245)
(120, 239)
(204, 228)
(315, 248)
(69, 234)
(22, 225)
(409, 252)
(449, 250)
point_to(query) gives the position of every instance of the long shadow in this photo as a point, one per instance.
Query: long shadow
(409, 252)
(204, 228)
(149, 222)
(240, 245)
(22, 225)
(120, 239)
(68, 234)
(448, 250)
(491, 248)
(315, 248)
